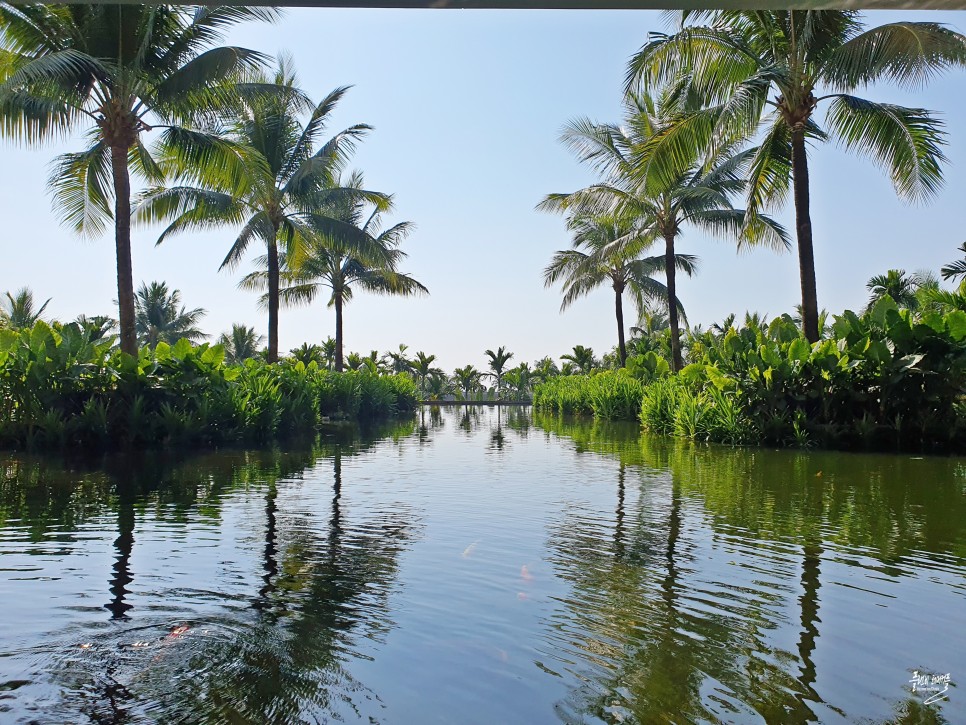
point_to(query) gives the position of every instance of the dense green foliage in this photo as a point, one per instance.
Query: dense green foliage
(882, 380)
(58, 388)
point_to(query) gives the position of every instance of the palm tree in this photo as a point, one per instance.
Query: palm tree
(738, 59)
(896, 284)
(544, 369)
(17, 311)
(467, 379)
(957, 268)
(367, 260)
(607, 250)
(121, 70)
(97, 327)
(582, 358)
(697, 194)
(422, 367)
(307, 353)
(241, 343)
(273, 179)
(160, 316)
(328, 352)
(497, 363)
(399, 363)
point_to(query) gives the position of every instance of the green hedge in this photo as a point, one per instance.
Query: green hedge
(58, 388)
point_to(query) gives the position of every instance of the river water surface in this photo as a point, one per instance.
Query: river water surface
(484, 566)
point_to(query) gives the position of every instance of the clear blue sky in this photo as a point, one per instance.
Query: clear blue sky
(467, 107)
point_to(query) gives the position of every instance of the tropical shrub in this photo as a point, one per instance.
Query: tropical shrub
(57, 388)
(887, 379)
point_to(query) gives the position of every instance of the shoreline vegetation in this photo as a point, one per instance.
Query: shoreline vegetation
(718, 119)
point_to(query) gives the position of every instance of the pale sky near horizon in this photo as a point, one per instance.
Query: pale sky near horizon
(467, 107)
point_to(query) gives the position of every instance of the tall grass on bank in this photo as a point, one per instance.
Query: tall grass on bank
(609, 395)
(60, 389)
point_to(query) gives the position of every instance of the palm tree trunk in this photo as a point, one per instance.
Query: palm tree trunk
(619, 305)
(672, 304)
(803, 226)
(338, 333)
(273, 284)
(122, 241)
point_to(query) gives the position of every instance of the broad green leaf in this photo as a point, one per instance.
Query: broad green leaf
(878, 352)
(956, 324)
(799, 350)
(880, 310)
(181, 349)
(162, 351)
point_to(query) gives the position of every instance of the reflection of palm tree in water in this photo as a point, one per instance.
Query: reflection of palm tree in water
(124, 543)
(271, 534)
(619, 550)
(497, 439)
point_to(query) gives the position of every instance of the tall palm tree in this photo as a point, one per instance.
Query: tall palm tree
(898, 285)
(18, 310)
(497, 363)
(697, 193)
(738, 59)
(160, 316)
(366, 260)
(274, 179)
(607, 249)
(241, 343)
(582, 358)
(120, 71)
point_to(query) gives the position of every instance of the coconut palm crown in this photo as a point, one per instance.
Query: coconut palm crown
(118, 71)
(697, 195)
(272, 178)
(765, 74)
(608, 250)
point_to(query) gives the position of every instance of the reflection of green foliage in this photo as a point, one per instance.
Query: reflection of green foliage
(650, 631)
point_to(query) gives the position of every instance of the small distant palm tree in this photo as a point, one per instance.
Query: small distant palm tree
(328, 352)
(497, 363)
(98, 327)
(520, 381)
(159, 316)
(468, 380)
(544, 369)
(898, 285)
(438, 385)
(399, 363)
(18, 310)
(956, 269)
(582, 359)
(422, 367)
(307, 353)
(241, 343)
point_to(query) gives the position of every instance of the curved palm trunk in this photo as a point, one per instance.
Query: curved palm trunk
(122, 242)
(803, 226)
(619, 306)
(273, 285)
(338, 333)
(672, 306)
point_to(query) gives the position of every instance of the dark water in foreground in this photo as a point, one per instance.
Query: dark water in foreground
(475, 571)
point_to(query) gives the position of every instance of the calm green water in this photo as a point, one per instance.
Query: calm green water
(483, 566)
